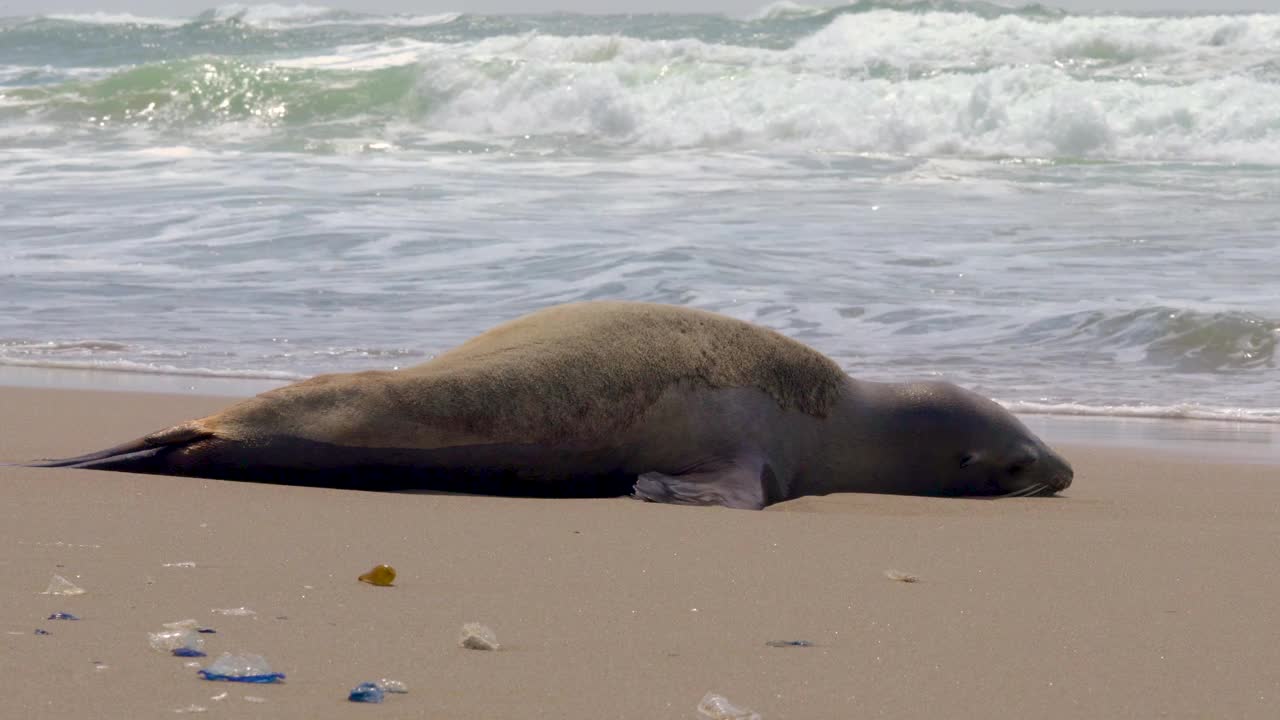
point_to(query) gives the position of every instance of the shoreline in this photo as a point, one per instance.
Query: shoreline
(1224, 439)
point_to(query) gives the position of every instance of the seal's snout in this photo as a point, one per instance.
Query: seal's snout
(1062, 475)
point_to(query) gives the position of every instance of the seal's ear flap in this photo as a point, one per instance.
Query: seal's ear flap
(970, 458)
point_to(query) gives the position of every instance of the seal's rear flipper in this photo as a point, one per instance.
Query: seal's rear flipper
(737, 483)
(134, 456)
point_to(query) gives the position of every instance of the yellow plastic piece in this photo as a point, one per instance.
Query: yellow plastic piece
(382, 576)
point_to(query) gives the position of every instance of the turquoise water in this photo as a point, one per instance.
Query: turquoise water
(1072, 213)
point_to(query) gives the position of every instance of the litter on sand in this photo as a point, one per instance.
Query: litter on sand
(393, 686)
(174, 640)
(718, 707)
(478, 637)
(233, 612)
(380, 575)
(366, 692)
(241, 668)
(62, 586)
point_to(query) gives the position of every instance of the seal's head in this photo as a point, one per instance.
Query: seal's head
(964, 444)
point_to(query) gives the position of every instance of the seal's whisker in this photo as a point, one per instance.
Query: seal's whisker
(1015, 493)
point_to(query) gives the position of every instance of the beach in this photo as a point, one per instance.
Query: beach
(1145, 590)
(1073, 213)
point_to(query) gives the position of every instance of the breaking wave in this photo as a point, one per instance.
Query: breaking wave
(864, 79)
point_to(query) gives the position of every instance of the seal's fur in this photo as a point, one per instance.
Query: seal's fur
(565, 374)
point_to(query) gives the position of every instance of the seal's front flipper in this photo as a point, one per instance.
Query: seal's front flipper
(737, 483)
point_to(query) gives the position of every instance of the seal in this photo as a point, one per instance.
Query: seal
(664, 403)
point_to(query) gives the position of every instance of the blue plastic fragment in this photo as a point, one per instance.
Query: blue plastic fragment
(268, 678)
(63, 616)
(41, 632)
(366, 692)
(206, 630)
(188, 652)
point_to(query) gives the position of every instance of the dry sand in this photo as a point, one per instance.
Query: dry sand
(1149, 590)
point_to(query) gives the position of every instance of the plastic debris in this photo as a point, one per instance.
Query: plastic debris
(477, 637)
(174, 640)
(254, 699)
(717, 707)
(186, 564)
(41, 631)
(233, 612)
(381, 575)
(63, 616)
(900, 576)
(241, 668)
(220, 696)
(62, 586)
(189, 626)
(789, 643)
(191, 709)
(393, 686)
(366, 692)
(188, 652)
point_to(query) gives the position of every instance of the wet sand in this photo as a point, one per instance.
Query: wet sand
(1147, 590)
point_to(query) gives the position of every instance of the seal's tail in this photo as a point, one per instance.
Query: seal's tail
(142, 455)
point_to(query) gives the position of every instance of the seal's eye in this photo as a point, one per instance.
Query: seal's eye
(1021, 464)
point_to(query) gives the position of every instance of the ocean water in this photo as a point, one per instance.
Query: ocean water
(1071, 213)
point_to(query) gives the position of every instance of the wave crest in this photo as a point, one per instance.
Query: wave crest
(1176, 339)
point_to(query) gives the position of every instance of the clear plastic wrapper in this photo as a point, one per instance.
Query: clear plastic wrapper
(393, 686)
(59, 585)
(718, 707)
(173, 640)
